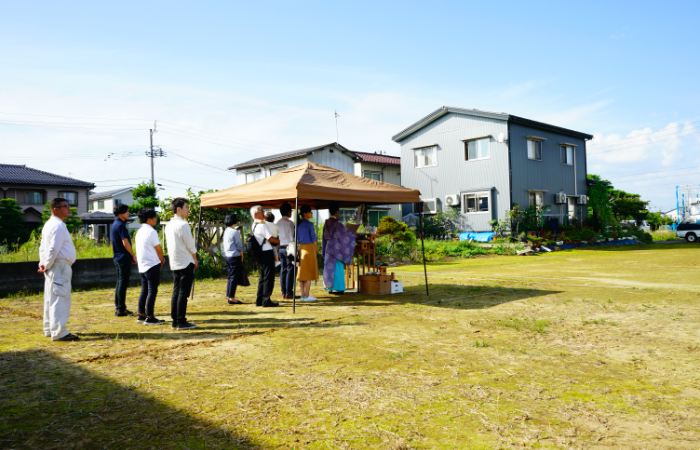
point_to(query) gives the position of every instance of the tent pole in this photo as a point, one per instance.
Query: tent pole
(422, 244)
(294, 259)
(199, 229)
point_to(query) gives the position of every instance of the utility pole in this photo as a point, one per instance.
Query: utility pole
(157, 152)
(153, 178)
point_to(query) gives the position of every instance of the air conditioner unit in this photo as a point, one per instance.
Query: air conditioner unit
(431, 205)
(582, 200)
(452, 200)
(560, 197)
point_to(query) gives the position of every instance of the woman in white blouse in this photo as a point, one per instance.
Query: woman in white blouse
(233, 252)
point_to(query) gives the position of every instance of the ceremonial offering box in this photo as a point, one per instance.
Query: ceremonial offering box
(375, 284)
(396, 287)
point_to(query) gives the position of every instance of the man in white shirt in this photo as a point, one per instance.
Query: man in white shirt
(56, 256)
(286, 229)
(182, 253)
(150, 260)
(266, 263)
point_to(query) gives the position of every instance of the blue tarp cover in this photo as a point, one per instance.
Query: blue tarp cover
(478, 237)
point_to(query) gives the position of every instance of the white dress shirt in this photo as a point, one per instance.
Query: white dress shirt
(55, 243)
(286, 228)
(181, 246)
(146, 243)
(261, 232)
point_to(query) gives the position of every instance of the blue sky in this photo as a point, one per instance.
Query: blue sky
(249, 79)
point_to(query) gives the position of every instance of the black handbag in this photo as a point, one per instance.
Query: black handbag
(243, 281)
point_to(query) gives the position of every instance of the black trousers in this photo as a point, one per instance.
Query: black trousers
(234, 265)
(150, 280)
(266, 283)
(123, 275)
(182, 285)
(286, 272)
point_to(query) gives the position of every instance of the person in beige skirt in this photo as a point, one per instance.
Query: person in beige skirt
(308, 250)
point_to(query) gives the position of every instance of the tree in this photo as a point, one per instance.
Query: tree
(145, 196)
(73, 222)
(12, 229)
(212, 220)
(626, 206)
(599, 207)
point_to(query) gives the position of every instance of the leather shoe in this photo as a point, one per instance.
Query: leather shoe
(270, 304)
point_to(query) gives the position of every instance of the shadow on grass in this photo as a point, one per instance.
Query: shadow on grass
(458, 296)
(51, 404)
(682, 245)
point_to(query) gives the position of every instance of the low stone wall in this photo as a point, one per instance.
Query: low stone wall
(87, 273)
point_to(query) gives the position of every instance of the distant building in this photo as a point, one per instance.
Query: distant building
(369, 165)
(32, 188)
(100, 215)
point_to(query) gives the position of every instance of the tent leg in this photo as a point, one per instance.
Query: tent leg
(294, 260)
(422, 244)
(199, 229)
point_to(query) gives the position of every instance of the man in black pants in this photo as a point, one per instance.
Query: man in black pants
(182, 254)
(150, 258)
(286, 227)
(123, 257)
(266, 263)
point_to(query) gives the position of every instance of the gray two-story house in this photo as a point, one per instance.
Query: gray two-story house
(483, 163)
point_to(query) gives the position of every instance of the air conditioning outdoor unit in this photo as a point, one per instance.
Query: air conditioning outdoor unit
(560, 197)
(452, 200)
(582, 200)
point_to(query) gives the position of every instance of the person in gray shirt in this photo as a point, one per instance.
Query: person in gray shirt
(233, 252)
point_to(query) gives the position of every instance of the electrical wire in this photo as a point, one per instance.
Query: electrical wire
(639, 145)
(228, 137)
(197, 162)
(197, 138)
(68, 117)
(645, 135)
(67, 126)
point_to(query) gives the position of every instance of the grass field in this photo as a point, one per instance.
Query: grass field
(597, 348)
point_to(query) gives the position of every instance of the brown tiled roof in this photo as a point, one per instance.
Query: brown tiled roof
(376, 158)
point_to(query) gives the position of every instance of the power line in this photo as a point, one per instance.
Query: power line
(639, 145)
(68, 117)
(38, 124)
(229, 137)
(201, 163)
(186, 184)
(198, 138)
(646, 135)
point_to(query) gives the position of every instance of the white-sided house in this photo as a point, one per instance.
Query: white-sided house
(380, 167)
(483, 163)
(332, 155)
(100, 216)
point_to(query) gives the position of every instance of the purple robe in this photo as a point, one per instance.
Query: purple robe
(338, 245)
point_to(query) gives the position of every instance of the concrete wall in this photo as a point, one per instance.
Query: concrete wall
(87, 273)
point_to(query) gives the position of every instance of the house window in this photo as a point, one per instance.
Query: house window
(375, 216)
(372, 175)
(534, 150)
(477, 202)
(476, 149)
(252, 176)
(275, 170)
(100, 204)
(567, 155)
(71, 197)
(34, 198)
(536, 198)
(117, 202)
(425, 157)
(346, 215)
(91, 206)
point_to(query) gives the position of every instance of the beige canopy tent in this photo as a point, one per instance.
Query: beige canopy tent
(311, 184)
(315, 185)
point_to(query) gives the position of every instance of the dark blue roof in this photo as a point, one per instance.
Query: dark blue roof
(21, 174)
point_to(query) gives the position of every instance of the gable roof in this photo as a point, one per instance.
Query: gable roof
(377, 158)
(108, 194)
(433, 116)
(21, 174)
(289, 155)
